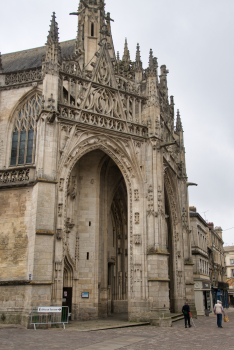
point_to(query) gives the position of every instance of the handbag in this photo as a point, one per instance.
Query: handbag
(226, 319)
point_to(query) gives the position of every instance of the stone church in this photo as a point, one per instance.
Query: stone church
(93, 185)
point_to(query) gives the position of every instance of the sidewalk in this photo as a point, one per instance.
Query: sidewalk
(205, 336)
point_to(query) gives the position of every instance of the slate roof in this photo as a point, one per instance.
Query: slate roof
(32, 58)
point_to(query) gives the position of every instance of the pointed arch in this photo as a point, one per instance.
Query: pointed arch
(68, 273)
(22, 129)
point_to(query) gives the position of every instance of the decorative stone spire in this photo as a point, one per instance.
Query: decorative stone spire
(153, 64)
(138, 59)
(178, 122)
(151, 60)
(1, 67)
(53, 51)
(126, 55)
(163, 81)
(53, 32)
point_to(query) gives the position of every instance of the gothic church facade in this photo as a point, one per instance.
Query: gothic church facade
(93, 184)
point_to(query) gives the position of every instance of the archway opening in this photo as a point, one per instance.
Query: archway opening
(97, 237)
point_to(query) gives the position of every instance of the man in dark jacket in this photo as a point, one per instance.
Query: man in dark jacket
(186, 312)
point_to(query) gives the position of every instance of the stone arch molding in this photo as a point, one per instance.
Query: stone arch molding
(174, 205)
(122, 160)
(87, 143)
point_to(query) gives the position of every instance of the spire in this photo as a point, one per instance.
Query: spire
(153, 64)
(52, 59)
(178, 122)
(53, 38)
(126, 55)
(138, 59)
(1, 67)
(151, 60)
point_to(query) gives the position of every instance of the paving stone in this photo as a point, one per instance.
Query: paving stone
(205, 336)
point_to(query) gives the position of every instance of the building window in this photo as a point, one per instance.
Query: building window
(232, 261)
(24, 132)
(232, 273)
(92, 29)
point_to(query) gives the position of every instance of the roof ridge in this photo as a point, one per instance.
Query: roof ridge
(34, 48)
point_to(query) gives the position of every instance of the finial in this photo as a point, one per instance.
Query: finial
(178, 122)
(151, 60)
(1, 67)
(53, 32)
(138, 58)
(164, 70)
(126, 55)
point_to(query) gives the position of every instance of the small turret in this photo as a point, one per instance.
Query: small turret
(138, 59)
(138, 66)
(126, 55)
(153, 65)
(179, 127)
(163, 81)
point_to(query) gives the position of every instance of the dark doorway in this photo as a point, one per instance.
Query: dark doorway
(67, 298)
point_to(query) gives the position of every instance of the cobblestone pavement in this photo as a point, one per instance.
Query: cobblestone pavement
(205, 336)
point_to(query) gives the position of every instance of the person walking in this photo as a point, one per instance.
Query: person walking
(218, 310)
(186, 312)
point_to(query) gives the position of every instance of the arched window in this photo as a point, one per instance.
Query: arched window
(92, 29)
(24, 132)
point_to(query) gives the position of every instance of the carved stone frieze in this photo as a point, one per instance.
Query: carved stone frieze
(104, 101)
(23, 76)
(12, 176)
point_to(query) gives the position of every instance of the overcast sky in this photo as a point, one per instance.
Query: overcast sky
(194, 38)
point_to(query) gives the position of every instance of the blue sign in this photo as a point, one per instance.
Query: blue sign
(85, 295)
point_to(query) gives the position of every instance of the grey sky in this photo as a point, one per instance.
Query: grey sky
(195, 40)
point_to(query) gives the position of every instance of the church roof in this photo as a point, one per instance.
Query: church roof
(32, 58)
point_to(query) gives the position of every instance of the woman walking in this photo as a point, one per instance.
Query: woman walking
(218, 310)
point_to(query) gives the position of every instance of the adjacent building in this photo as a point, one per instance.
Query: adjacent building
(201, 268)
(219, 287)
(229, 259)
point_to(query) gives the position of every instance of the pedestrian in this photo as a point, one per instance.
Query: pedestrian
(186, 312)
(218, 310)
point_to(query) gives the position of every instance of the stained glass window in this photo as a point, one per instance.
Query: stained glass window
(23, 147)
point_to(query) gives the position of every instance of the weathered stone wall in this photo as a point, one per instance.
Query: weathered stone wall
(15, 214)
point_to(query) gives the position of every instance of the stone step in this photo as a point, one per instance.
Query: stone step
(177, 317)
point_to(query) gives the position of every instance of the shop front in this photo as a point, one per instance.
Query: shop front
(202, 297)
(220, 292)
